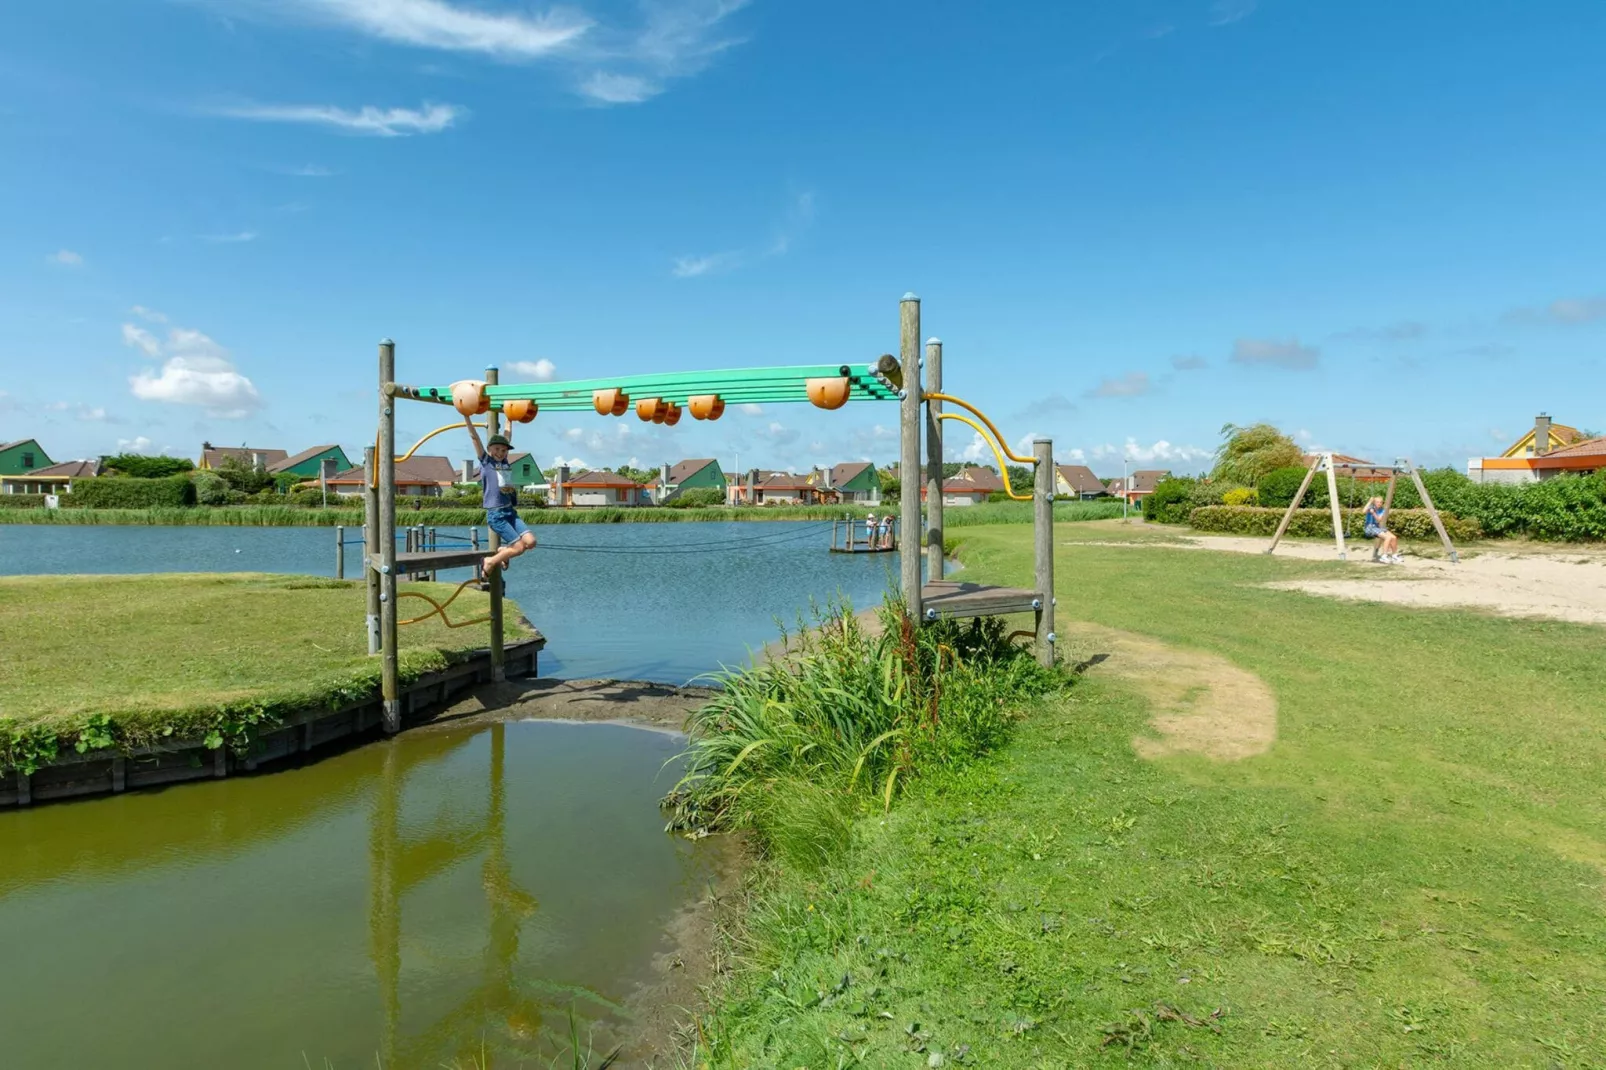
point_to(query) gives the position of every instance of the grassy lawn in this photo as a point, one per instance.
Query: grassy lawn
(1415, 874)
(163, 652)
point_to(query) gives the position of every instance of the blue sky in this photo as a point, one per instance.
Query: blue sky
(1377, 224)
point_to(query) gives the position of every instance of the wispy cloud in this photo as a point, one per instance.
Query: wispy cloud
(1487, 351)
(1568, 311)
(1050, 405)
(150, 315)
(751, 409)
(86, 413)
(447, 27)
(235, 238)
(195, 370)
(311, 170)
(607, 87)
(798, 217)
(66, 258)
(677, 39)
(1400, 331)
(534, 371)
(1276, 353)
(1160, 451)
(1130, 385)
(1227, 12)
(369, 120)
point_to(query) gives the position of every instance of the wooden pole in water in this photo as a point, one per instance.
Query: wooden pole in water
(390, 690)
(934, 561)
(340, 552)
(498, 655)
(1043, 547)
(909, 454)
(370, 544)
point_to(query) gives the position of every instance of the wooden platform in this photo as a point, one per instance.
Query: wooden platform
(436, 560)
(864, 549)
(945, 599)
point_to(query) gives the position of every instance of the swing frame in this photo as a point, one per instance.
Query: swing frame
(1324, 462)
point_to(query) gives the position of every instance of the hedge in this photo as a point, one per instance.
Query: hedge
(31, 501)
(127, 492)
(1318, 523)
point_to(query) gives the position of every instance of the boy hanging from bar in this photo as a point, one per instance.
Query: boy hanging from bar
(500, 497)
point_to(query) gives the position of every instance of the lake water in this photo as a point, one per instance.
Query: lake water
(660, 602)
(410, 902)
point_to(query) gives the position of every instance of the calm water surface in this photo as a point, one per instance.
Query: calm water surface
(410, 900)
(662, 602)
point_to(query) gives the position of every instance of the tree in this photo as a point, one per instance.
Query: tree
(1020, 478)
(1248, 453)
(640, 475)
(243, 477)
(891, 487)
(139, 466)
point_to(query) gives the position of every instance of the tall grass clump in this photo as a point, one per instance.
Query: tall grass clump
(793, 748)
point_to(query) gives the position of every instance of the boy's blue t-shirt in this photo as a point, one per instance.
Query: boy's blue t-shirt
(1373, 520)
(496, 478)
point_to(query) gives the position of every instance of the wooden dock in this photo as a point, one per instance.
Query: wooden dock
(105, 772)
(947, 600)
(844, 540)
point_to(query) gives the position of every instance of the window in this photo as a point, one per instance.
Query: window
(27, 460)
(621, 494)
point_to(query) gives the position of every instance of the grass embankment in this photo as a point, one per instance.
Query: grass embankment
(1412, 875)
(133, 660)
(291, 516)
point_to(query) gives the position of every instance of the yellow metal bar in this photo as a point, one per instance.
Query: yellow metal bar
(962, 403)
(373, 477)
(440, 607)
(1003, 468)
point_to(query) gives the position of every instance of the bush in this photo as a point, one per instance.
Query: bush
(32, 501)
(1413, 524)
(285, 482)
(1240, 496)
(697, 498)
(210, 489)
(310, 499)
(243, 477)
(126, 492)
(1277, 488)
(1211, 491)
(1169, 503)
(138, 466)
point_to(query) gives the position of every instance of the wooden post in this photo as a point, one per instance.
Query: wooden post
(370, 544)
(24, 789)
(340, 552)
(1433, 513)
(909, 453)
(934, 560)
(390, 688)
(1043, 547)
(498, 655)
(1336, 506)
(493, 424)
(1299, 496)
(1388, 503)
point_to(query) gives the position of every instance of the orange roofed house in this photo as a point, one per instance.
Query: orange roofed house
(601, 489)
(1549, 450)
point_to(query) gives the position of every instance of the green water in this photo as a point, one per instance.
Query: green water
(408, 901)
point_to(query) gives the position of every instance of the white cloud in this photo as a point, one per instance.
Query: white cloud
(690, 267)
(439, 25)
(574, 434)
(573, 462)
(1130, 385)
(799, 216)
(606, 87)
(780, 434)
(195, 371)
(1567, 310)
(1161, 451)
(137, 444)
(229, 239)
(370, 120)
(1226, 12)
(534, 371)
(1189, 363)
(977, 451)
(1075, 456)
(66, 258)
(1277, 353)
(141, 339)
(148, 314)
(751, 409)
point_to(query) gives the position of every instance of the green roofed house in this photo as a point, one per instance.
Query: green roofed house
(307, 462)
(522, 470)
(699, 473)
(855, 481)
(23, 457)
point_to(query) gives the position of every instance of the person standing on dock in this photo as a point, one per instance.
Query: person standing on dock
(869, 531)
(500, 498)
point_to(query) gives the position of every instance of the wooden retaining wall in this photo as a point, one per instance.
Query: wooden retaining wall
(102, 772)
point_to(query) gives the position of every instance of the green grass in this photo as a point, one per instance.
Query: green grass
(1412, 876)
(182, 655)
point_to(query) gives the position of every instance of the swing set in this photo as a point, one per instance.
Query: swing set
(663, 398)
(1325, 462)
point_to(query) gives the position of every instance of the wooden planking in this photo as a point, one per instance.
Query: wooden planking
(435, 560)
(961, 600)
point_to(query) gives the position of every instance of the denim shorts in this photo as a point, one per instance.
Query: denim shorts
(506, 524)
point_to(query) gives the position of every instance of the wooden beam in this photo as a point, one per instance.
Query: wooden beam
(1433, 512)
(386, 536)
(1299, 496)
(1336, 506)
(934, 520)
(1043, 547)
(909, 454)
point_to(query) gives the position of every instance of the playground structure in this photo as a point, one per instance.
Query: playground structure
(663, 398)
(1324, 462)
(850, 536)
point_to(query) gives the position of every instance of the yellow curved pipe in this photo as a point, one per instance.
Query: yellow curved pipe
(965, 404)
(1002, 467)
(373, 477)
(440, 607)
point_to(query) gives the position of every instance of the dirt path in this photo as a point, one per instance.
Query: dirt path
(1201, 703)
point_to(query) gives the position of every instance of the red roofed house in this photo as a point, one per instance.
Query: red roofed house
(603, 489)
(784, 488)
(213, 457)
(1078, 481)
(420, 476)
(1549, 450)
(970, 485)
(1141, 484)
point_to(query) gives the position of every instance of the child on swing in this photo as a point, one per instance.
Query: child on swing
(1373, 526)
(500, 498)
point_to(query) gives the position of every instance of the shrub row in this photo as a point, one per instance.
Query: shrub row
(1318, 523)
(127, 492)
(31, 501)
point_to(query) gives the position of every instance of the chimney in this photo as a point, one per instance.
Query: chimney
(825, 478)
(1541, 434)
(752, 486)
(468, 472)
(663, 481)
(256, 461)
(556, 498)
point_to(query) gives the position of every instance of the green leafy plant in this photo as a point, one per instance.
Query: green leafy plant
(124, 492)
(1414, 524)
(1248, 453)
